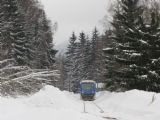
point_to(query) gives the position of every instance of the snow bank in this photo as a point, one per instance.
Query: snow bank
(52, 104)
(48, 104)
(52, 97)
(131, 105)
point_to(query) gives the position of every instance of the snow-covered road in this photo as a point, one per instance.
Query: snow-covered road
(53, 104)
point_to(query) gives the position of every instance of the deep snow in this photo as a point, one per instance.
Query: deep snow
(52, 104)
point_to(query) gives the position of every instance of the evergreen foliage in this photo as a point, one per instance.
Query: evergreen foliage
(110, 62)
(126, 23)
(96, 56)
(136, 51)
(151, 34)
(12, 32)
(70, 61)
(27, 55)
(26, 34)
(84, 59)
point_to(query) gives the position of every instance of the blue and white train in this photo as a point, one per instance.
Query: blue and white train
(88, 89)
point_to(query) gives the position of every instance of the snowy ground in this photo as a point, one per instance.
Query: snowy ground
(52, 104)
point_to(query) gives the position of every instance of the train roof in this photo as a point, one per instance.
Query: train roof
(86, 81)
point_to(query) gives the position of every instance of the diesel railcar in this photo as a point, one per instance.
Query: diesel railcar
(87, 89)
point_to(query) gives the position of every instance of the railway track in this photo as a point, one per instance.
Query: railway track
(101, 110)
(98, 107)
(93, 103)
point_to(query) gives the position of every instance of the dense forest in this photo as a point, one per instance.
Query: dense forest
(135, 36)
(126, 56)
(84, 59)
(27, 55)
(26, 34)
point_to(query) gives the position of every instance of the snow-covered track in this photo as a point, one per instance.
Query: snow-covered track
(101, 110)
(94, 104)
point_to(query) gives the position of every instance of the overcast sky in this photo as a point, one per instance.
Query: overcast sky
(74, 15)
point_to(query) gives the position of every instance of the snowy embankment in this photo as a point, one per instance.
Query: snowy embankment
(52, 104)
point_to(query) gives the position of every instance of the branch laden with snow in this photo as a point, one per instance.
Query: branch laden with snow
(22, 80)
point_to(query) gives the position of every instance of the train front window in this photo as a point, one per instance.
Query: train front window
(87, 86)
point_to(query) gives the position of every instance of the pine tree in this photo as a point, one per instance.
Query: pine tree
(70, 61)
(13, 34)
(109, 59)
(96, 56)
(88, 60)
(80, 63)
(137, 47)
(39, 34)
(129, 47)
(82, 56)
(151, 33)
